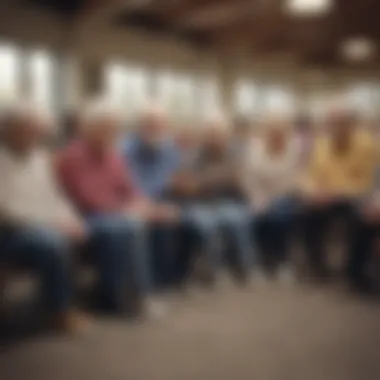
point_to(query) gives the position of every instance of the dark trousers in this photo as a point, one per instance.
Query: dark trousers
(316, 223)
(360, 253)
(119, 246)
(46, 252)
(174, 246)
(274, 232)
(163, 242)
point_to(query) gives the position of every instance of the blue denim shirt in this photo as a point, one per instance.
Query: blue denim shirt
(152, 167)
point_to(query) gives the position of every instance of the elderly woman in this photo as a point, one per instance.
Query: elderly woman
(38, 225)
(272, 171)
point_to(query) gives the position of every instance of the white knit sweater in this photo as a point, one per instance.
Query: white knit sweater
(269, 176)
(28, 191)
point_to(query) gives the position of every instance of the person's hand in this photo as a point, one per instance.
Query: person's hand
(215, 176)
(184, 184)
(141, 209)
(371, 213)
(260, 205)
(319, 198)
(73, 228)
(165, 213)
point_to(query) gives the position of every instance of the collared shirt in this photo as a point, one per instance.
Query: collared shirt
(95, 184)
(29, 193)
(350, 173)
(152, 167)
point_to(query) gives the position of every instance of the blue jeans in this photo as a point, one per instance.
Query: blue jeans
(175, 244)
(196, 235)
(122, 255)
(316, 223)
(274, 230)
(233, 221)
(45, 251)
(222, 231)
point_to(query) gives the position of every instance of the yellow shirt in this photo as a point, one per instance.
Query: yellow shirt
(349, 173)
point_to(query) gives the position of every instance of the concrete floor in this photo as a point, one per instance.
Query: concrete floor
(269, 331)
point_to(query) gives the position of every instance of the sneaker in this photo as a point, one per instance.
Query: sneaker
(260, 277)
(155, 309)
(286, 275)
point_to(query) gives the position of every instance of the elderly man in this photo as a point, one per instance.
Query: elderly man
(38, 224)
(272, 166)
(153, 160)
(161, 167)
(340, 174)
(95, 177)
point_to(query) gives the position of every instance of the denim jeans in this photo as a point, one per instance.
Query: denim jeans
(46, 252)
(360, 253)
(197, 235)
(120, 247)
(234, 221)
(274, 230)
(316, 223)
(223, 232)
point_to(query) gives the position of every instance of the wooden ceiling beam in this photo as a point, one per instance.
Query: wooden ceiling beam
(101, 11)
(215, 14)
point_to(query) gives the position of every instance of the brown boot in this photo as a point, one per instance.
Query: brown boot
(71, 322)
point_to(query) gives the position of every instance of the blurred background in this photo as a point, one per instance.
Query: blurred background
(194, 56)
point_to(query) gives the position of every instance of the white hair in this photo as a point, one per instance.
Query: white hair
(153, 110)
(98, 110)
(12, 112)
(218, 121)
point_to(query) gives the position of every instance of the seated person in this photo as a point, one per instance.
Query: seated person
(272, 169)
(199, 237)
(38, 225)
(156, 162)
(221, 198)
(95, 177)
(340, 173)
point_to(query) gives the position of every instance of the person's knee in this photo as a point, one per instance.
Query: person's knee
(201, 227)
(53, 249)
(119, 227)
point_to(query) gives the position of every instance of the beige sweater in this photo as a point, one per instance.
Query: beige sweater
(28, 191)
(268, 176)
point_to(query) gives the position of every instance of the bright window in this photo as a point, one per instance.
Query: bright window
(209, 98)
(245, 98)
(41, 79)
(126, 87)
(278, 99)
(9, 72)
(362, 97)
(176, 92)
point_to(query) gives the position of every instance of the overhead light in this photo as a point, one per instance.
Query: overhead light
(358, 49)
(309, 7)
